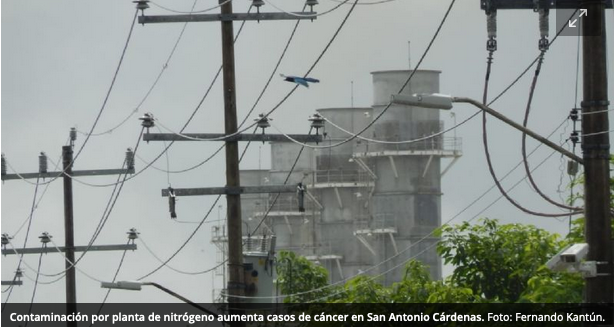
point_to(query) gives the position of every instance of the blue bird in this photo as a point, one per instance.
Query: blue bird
(300, 80)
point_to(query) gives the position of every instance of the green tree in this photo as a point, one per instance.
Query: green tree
(496, 261)
(417, 287)
(297, 275)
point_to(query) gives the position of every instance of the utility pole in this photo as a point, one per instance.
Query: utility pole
(595, 135)
(69, 231)
(69, 241)
(595, 146)
(235, 284)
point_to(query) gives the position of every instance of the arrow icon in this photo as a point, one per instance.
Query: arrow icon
(583, 13)
(572, 23)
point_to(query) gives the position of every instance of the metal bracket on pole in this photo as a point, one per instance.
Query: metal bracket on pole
(531, 4)
(233, 138)
(225, 17)
(231, 190)
(75, 173)
(38, 250)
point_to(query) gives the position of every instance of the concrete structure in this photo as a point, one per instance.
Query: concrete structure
(368, 202)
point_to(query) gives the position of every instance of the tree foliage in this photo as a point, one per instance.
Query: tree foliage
(493, 263)
(297, 275)
(496, 261)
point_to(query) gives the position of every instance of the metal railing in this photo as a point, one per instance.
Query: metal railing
(432, 144)
(379, 221)
(341, 176)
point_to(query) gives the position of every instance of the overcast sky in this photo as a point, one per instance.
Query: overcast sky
(58, 59)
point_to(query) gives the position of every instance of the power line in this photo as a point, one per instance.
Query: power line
(275, 69)
(222, 138)
(488, 156)
(447, 222)
(117, 271)
(524, 139)
(401, 89)
(424, 138)
(277, 106)
(308, 15)
(597, 133)
(40, 260)
(185, 243)
(151, 88)
(104, 104)
(192, 11)
(106, 213)
(166, 264)
(366, 3)
(288, 42)
(29, 221)
(191, 116)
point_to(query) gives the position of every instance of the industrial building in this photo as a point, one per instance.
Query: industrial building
(367, 203)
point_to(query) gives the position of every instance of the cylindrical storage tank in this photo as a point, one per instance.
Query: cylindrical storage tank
(253, 203)
(294, 230)
(343, 187)
(407, 193)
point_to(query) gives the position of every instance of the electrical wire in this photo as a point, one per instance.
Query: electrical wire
(117, 271)
(490, 164)
(597, 133)
(595, 112)
(40, 260)
(290, 172)
(106, 214)
(103, 106)
(163, 264)
(288, 42)
(458, 214)
(450, 7)
(72, 264)
(366, 3)
(110, 204)
(275, 108)
(186, 169)
(218, 198)
(25, 242)
(530, 178)
(420, 139)
(151, 88)
(502, 190)
(188, 137)
(192, 11)
(194, 112)
(307, 15)
(166, 264)
(275, 69)
(35, 206)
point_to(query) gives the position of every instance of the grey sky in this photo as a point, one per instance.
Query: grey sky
(58, 58)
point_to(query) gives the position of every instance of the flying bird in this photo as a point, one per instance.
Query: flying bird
(300, 80)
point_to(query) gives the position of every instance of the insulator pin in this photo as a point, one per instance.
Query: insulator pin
(73, 135)
(573, 167)
(42, 163)
(133, 234)
(130, 159)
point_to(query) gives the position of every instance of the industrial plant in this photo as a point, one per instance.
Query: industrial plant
(368, 203)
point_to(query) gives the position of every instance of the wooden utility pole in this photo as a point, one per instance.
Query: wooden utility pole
(235, 284)
(69, 242)
(596, 147)
(69, 233)
(595, 134)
